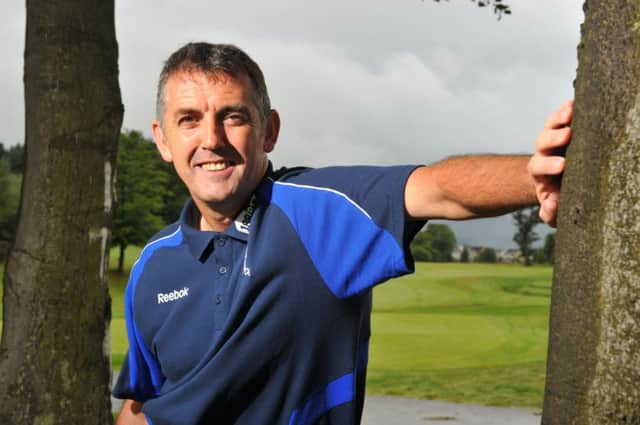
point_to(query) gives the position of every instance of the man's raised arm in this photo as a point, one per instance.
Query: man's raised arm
(465, 187)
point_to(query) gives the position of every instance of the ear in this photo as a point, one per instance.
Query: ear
(162, 144)
(272, 131)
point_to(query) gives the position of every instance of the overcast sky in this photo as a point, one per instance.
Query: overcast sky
(357, 82)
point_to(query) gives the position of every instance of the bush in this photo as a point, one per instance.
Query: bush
(436, 244)
(487, 255)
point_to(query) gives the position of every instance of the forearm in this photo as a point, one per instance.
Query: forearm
(465, 187)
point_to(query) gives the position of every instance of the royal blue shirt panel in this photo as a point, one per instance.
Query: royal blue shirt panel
(351, 252)
(377, 190)
(144, 373)
(243, 324)
(337, 392)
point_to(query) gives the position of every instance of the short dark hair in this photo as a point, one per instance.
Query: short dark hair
(213, 59)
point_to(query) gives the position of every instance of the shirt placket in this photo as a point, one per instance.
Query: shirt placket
(221, 272)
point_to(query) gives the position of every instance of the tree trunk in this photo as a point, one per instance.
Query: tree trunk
(121, 258)
(54, 357)
(593, 372)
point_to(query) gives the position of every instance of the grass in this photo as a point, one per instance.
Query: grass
(117, 283)
(468, 333)
(462, 332)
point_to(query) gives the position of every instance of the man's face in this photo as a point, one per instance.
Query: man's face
(215, 138)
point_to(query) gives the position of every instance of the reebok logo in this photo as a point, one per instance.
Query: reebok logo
(173, 295)
(243, 220)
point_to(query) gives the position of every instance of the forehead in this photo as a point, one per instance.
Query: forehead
(193, 85)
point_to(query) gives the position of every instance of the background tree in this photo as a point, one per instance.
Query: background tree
(421, 249)
(464, 256)
(141, 188)
(10, 196)
(549, 247)
(175, 194)
(54, 357)
(15, 156)
(593, 367)
(487, 255)
(525, 220)
(436, 243)
(499, 7)
(545, 254)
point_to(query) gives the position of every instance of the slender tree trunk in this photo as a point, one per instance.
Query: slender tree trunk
(527, 250)
(593, 372)
(54, 357)
(121, 258)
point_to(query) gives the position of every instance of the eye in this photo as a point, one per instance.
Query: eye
(187, 120)
(236, 118)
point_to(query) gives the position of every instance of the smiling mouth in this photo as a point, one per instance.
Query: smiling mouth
(215, 166)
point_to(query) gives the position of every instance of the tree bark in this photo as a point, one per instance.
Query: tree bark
(121, 258)
(54, 357)
(593, 372)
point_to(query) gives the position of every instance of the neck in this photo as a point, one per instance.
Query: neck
(213, 221)
(218, 217)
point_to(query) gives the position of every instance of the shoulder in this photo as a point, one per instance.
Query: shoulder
(170, 236)
(366, 186)
(343, 175)
(172, 231)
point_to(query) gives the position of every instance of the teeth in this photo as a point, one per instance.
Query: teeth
(215, 166)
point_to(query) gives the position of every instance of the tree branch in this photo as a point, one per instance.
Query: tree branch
(499, 8)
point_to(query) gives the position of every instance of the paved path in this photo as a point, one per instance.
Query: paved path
(382, 410)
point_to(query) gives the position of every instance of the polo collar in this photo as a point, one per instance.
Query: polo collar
(199, 240)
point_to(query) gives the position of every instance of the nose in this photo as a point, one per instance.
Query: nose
(214, 135)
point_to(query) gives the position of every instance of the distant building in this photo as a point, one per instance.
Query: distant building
(511, 255)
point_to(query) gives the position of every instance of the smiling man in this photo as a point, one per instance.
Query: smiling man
(254, 307)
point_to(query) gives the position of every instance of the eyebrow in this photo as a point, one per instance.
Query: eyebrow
(220, 114)
(186, 111)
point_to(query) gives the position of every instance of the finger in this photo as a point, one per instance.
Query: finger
(549, 140)
(548, 190)
(561, 117)
(540, 165)
(548, 217)
(549, 209)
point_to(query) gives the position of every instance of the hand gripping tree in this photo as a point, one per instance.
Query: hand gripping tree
(54, 357)
(593, 372)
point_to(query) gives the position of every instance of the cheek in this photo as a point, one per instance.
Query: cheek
(246, 143)
(184, 147)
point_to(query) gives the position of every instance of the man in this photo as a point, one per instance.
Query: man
(254, 307)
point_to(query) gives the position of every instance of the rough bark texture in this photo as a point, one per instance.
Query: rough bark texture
(593, 372)
(54, 357)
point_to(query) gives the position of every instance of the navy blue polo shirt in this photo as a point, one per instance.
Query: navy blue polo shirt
(267, 322)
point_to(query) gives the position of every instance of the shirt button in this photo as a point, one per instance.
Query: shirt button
(222, 241)
(218, 299)
(222, 269)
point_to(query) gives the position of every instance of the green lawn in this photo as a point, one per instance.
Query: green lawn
(469, 333)
(117, 283)
(462, 332)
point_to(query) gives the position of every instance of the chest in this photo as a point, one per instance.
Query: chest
(262, 299)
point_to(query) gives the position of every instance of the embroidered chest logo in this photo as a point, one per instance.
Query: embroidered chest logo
(173, 295)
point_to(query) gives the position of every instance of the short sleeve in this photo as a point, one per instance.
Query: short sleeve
(351, 221)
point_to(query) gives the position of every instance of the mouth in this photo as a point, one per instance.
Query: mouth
(215, 165)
